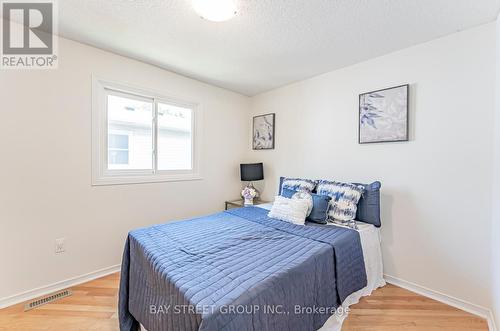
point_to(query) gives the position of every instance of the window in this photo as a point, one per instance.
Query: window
(141, 136)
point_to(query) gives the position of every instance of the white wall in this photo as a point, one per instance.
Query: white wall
(436, 189)
(45, 163)
(496, 190)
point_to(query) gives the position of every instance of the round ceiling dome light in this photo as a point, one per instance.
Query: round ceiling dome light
(215, 10)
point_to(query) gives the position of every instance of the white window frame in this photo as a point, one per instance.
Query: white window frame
(101, 175)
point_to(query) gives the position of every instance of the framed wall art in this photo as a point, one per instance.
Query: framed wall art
(383, 115)
(263, 131)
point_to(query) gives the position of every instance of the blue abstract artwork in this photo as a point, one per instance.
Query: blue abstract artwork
(383, 115)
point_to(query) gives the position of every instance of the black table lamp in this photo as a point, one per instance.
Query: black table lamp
(251, 172)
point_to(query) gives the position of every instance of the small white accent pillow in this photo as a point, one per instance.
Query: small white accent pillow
(303, 195)
(289, 210)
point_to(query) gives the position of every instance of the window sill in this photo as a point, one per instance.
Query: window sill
(126, 180)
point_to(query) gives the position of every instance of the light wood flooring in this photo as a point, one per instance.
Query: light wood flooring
(93, 307)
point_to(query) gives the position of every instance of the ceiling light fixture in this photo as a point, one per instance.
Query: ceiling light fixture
(215, 10)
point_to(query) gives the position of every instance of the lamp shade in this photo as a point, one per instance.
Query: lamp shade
(251, 171)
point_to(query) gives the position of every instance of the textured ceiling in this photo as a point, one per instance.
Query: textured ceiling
(270, 43)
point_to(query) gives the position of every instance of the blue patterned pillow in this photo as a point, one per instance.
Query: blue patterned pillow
(345, 197)
(298, 184)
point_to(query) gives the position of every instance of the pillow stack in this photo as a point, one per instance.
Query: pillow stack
(335, 201)
(319, 204)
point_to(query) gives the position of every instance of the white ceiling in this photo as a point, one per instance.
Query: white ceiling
(270, 43)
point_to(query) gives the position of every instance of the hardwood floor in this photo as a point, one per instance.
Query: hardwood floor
(93, 307)
(392, 308)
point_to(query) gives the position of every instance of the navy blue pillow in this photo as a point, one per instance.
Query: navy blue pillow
(319, 213)
(281, 185)
(369, 204)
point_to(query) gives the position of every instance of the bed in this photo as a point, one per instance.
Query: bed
(241, 270)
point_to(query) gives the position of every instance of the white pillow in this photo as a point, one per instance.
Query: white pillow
(303, 195)
(289, 210)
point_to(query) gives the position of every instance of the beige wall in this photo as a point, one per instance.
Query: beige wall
(45, 164)
(436, 189)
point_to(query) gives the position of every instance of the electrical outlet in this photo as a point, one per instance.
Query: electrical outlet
(60, 246)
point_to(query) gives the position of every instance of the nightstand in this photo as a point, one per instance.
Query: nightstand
(240, 203)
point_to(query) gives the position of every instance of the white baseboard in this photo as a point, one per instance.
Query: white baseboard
(491, 322)
(446, 299)
(44, 290)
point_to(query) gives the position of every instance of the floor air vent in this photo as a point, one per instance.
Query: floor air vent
(48, 299)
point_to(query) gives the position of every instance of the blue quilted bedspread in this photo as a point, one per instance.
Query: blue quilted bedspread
(237, 270)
